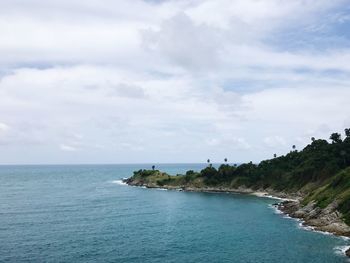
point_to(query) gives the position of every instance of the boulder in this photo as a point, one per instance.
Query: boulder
(347, 252)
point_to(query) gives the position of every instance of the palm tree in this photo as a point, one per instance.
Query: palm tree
(313, 139)
(153, 167)
(347, 133)
(208, 161)
(225, 160)
(335, 137)
(275, 155)
(293, 147)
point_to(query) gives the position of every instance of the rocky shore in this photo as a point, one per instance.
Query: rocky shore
(325, 220)
(219, 189)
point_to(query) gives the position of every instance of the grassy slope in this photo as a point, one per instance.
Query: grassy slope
(336, 188)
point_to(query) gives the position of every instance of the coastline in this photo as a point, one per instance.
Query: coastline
(327, 221)
(267, 193)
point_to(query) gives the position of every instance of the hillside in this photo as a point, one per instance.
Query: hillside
(319, 175)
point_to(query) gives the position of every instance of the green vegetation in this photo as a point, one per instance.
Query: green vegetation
(335, 189)
(321, 172)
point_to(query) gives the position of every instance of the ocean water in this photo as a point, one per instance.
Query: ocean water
(82, 213)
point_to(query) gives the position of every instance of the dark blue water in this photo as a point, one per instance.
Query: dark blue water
(83, 214)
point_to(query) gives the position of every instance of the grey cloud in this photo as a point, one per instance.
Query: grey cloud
(85, 78)
(184, 43)
(128, 91)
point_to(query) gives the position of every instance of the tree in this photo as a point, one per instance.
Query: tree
(275, 155)
(335, 137)
(343, 154)
(225, 160)
(293, 147)
(208, 161)
(313, 139)
(190, 172)
(153, 167)
(347, 133)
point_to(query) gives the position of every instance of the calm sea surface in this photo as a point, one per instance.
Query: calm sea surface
(82, 213)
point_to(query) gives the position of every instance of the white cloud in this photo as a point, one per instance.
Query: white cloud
(4, 127)
(67, 148)
(275, 141)
(184, 43)
(137, 81)
(128, 91)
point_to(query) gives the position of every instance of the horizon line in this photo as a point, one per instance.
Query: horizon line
(73, 164)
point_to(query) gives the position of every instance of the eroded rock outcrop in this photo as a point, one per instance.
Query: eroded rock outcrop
(327, 219)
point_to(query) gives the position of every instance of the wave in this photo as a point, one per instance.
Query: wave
(307, 228)
(340, 250)
(278, 198)
(119, 182)
(266, 195)
(276, 210)
(301, 223)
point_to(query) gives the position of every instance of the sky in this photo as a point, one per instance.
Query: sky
(120, 81)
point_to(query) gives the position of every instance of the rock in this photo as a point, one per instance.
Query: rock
(347, 252)
(289, 207)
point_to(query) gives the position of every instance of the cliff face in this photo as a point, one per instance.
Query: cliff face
(328, 219)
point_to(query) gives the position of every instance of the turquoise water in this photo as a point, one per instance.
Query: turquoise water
(83, 214)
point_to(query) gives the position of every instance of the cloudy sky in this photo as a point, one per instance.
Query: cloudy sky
(121, 81)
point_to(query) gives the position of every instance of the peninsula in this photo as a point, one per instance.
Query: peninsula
(314, 181)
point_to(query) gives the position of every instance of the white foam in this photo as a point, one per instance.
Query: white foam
(301, 222)
(324, 233)
(313, 229)
(340, 250)
(304, 227)
(266, 195)
(119, 182)
(162, 189)
(278, 198)
(276, 210)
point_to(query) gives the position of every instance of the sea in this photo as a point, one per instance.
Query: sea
(84, 213)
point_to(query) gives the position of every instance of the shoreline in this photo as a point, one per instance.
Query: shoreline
(311, 219)
(267, 193)
(327, 220)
